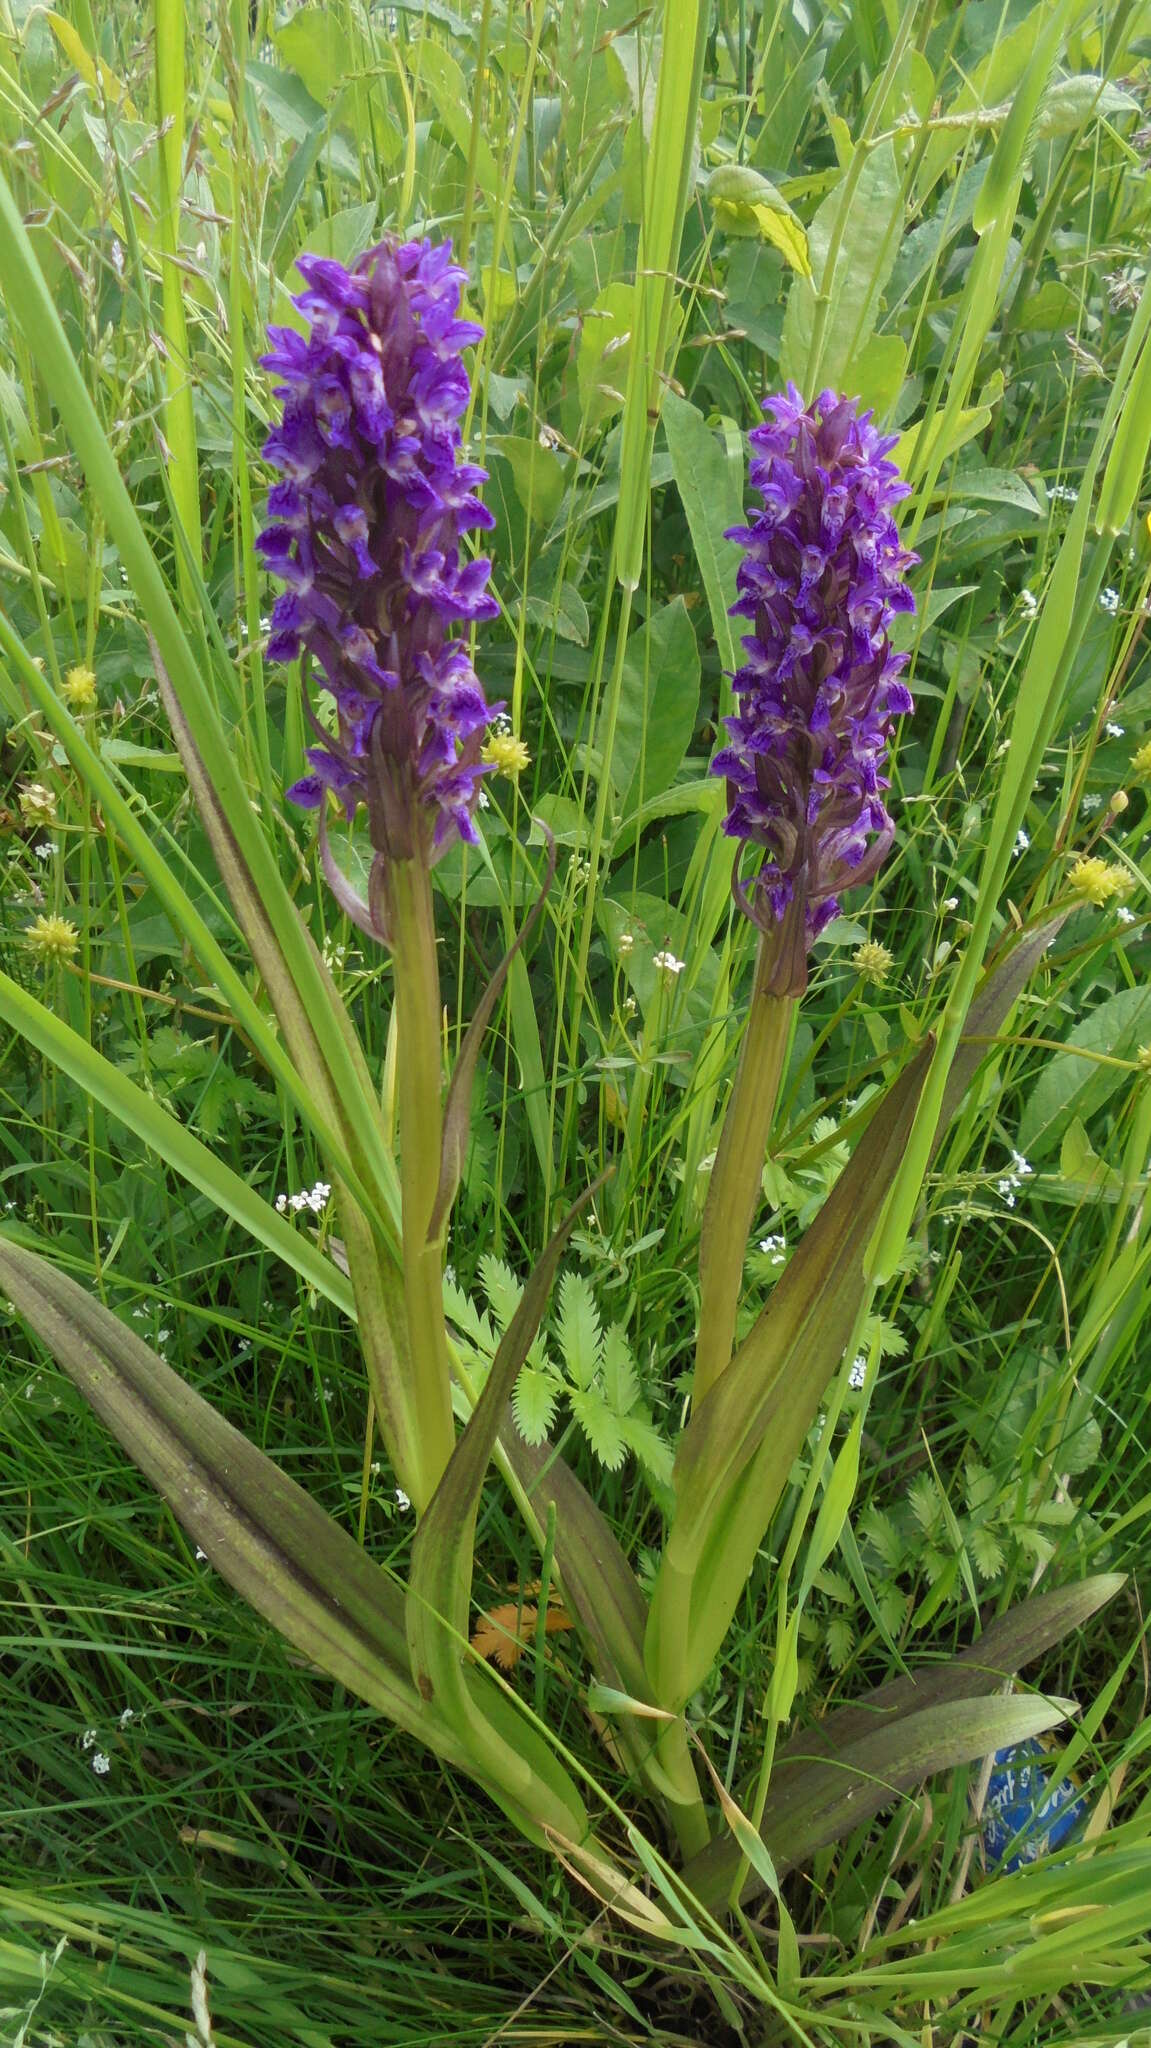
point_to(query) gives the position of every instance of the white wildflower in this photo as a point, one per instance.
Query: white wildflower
(1125, 915)
(1089, 804)
(951, 903)
(858, 1373)
(667, 965)
(89, 1738)
(1109, 600)
(129, 1714)
(1113, 731)
(101, 1764)
(1022, 842)
(774, 1247)
(1006, 1187)
(624, 944)
(1021, 1166)
(1029, 603)
(1064, 494)
(402, 1501)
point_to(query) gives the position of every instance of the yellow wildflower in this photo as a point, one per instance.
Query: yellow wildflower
(1141, 761)
(872, 962)
(506, 753)
(1097, 879)
(79, 689)
(53, 938)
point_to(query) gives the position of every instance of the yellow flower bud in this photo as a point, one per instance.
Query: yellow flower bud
(1096, 879)
(53, 938)
(1141, 762)
(872, 962)
(506, 753)
(79, 689)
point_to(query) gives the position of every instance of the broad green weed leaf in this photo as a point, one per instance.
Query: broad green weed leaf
(658, 707)
(1069, 1087)
(868, 243)
(711, 488)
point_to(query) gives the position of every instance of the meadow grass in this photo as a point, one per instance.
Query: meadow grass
(626, 186)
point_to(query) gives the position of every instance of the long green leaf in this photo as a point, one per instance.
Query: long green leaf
(829, 1800)
(260, 1530)
(521, 1767)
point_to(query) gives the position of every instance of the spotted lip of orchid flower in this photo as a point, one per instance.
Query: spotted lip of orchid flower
(822, 576)
(364, 532)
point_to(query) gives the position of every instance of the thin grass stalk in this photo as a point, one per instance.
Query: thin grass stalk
(179, 418)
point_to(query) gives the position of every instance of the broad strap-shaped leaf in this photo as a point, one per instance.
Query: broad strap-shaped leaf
(260, 1530)
(828, 1800)
(520, 1765)
(799, 1339)
(457, 1108)
(801, 1777)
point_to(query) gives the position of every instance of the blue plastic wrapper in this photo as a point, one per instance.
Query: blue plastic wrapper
(1025, 1815)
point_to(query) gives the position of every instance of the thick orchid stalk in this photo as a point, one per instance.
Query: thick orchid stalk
(822, 577)
(365, 531)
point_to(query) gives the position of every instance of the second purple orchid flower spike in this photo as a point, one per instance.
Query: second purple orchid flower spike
(822, 577)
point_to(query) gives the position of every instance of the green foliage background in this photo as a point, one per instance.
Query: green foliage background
(170, 166)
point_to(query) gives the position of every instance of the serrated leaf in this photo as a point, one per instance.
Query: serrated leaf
(620, 1381)
(504, 1292)
(653, 1451)
(578, 1329)
(987, 1551)
(534, 1399)
(601, 1428)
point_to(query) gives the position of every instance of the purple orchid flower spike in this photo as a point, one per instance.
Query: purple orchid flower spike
(822, 577)
(365, 533)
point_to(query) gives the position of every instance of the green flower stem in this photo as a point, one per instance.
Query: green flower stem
(686, 1811)
(418, 1092)
(737, 1175)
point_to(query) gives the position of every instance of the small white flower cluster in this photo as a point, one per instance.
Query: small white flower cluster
(667, 965)
(1021, 1170)
(1109, 600)
(1022, 842)
(1113, 731)
(1028, 603)
(1089, 804)
(625, 944)
(101, 1763)
(858, 1373)
(1124, 915)
(1064, 494)
(314, 1199)
(774, 1248)
(45, 849)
